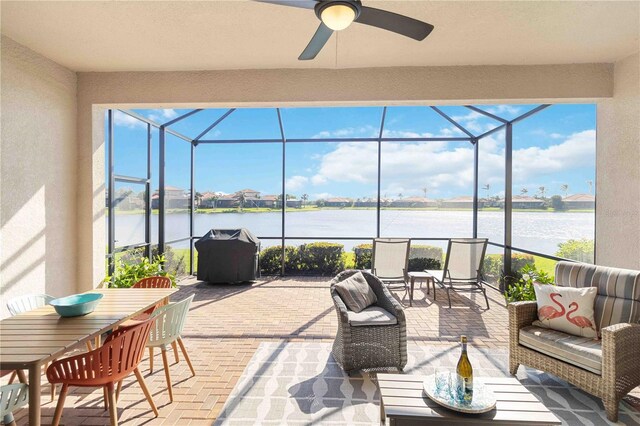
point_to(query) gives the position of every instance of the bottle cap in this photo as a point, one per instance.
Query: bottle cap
(463, 339)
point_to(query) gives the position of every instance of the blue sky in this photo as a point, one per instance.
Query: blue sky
(553, 147)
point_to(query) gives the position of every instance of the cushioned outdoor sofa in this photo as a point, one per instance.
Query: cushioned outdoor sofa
(607, 368)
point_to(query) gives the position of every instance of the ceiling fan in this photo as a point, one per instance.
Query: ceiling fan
(336, 15)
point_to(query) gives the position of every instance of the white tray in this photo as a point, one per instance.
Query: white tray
(482, 398)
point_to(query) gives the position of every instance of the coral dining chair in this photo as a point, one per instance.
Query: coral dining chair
(153, 282)
(105, 366)
(166, 330)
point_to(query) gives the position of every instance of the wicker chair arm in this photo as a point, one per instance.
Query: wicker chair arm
(341, 308)
(620, 355)
(521, 314)
(389, 303)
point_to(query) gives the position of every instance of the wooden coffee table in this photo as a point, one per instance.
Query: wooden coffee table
(403, 402)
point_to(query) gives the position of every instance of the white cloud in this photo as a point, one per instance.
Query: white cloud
(406, 167)
(445, 168)
(162, 115)
(362, 132)
(321, 196)
(578, 150)
(169, 113)
(502, 109)
(295, 183)
(125, 120)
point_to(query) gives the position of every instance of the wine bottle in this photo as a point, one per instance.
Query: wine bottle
(464, 370)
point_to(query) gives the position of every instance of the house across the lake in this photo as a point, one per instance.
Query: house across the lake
(580, 201)
(463, 202)
(526, 202)
(174, 198)
(338, 202)
(415, 202)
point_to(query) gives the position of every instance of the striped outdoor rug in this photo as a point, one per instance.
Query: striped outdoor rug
(300, 383)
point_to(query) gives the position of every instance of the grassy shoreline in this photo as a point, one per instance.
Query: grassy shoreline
(315, 208)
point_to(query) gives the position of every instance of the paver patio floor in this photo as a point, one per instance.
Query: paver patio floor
(226, 324)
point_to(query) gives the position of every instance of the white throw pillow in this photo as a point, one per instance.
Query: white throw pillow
(567, 309)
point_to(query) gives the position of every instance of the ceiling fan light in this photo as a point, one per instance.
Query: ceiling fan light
(338, 16)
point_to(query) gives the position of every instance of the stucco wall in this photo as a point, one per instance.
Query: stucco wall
(618, 170)
(37, 175)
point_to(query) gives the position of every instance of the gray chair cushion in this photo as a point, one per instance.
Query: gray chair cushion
(356, 293)
(583, 352)
(373, 315)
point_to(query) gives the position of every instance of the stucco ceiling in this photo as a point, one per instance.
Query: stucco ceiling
(209, 35)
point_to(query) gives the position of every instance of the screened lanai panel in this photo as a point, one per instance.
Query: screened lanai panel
(244, 123)
(417, 122)
(129, 206)
(130, 145)
(239, 186)
(427, 189)
(491, 189)
(554, 182)
(332, 189)
(473, 121)
(177, 188)
(193, 125)
(507, 112)
(332, 122)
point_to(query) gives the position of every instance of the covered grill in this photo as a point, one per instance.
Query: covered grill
(228, 255)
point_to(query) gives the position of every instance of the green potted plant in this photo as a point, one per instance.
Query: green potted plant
(126, 274)
(522, 289)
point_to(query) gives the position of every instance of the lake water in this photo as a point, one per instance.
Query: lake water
(537, 231)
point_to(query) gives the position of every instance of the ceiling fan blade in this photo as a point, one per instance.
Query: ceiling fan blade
(390, 21)
(319, 39)
(304, 4)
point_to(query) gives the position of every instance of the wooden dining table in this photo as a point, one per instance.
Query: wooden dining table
(31, 339)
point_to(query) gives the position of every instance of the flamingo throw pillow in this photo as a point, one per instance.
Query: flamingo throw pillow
(567, 309)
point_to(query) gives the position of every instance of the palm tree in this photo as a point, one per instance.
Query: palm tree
(541, 191)
(304, 199)
(565, 189)
(590, 183)
(242, 199)
(400, 195)
(523, 191)
(486, 187)
(424, 190)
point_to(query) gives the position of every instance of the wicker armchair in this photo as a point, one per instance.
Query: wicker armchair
(374, 347)
(619, 342)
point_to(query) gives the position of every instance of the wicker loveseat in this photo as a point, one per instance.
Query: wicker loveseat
(364, 343)
(608, 368)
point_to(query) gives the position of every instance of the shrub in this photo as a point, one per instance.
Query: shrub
(422, 263)
(522, 289)
(129, 271)
(313, 258)
(363, 253)
(271, 258)
(428, 252)
(580, 250)
(557, 203)
(493, 265)
(321, 258)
